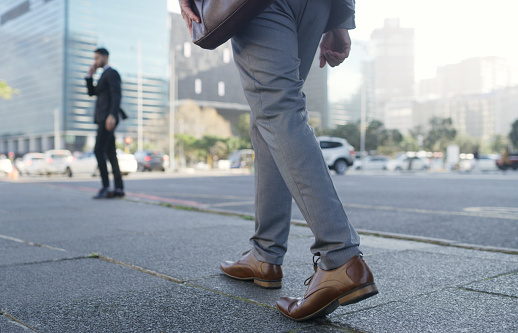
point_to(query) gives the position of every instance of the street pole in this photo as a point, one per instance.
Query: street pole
(363, 116)
(57, 143)
(140, 120)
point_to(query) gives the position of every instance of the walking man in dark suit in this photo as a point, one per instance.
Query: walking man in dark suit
(107, 109)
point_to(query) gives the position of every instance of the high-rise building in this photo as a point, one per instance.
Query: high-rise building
(316, 91)
(471, 76)
(351, 87)
(393, 64)
(47, 48)
(477, 93)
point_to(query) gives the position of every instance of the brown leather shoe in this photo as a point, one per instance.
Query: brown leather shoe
(249, 268)
(347, 284)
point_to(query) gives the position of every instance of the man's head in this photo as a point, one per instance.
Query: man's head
(101, 57)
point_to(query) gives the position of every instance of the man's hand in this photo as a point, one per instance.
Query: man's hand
(92, 69)
(334, 47)
(188, 15)
(110, 123)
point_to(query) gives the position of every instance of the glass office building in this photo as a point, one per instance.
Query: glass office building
(46, 48)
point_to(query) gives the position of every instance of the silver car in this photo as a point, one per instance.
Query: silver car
(31, 164)
(338, 153)
(56, 161)
(87, 164)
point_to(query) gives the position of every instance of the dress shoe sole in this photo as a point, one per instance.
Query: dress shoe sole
(354, 296)
(267, 284)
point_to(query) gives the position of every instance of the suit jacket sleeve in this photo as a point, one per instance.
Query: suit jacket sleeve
(342, 15)
(90, 86)
(114, 84)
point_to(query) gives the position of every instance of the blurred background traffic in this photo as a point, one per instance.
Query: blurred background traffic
(418, 93)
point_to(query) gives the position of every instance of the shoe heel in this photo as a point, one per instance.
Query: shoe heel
(358, 295)
(268, 284)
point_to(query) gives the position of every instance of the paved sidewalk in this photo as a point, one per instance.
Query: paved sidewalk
(72, 264)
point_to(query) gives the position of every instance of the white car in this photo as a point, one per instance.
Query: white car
(404, 162)
(56, 161)
(6, 166)
(372, 163)
(87, 164)
(338, 153)
(484, 163)
(31, 164)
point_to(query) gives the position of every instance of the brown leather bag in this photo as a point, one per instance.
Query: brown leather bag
(221, 19)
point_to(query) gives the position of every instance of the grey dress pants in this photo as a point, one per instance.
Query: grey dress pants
(274, 53)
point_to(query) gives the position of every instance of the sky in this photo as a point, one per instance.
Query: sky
(446, 31)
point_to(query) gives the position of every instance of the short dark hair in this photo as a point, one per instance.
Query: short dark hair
(102, 51)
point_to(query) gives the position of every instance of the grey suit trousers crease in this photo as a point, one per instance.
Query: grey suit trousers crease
(274, 53)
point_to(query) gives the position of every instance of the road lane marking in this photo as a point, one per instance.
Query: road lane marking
(473, 213)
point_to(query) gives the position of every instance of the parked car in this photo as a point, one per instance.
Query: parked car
(405, 162)
(484, 163)
(149, 160)
(56, 161)
(6, 166)
(242, 158)
(31, 164)
(338, 153)
(372, 163)
(87, 164)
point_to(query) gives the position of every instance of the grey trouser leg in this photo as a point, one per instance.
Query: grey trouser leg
(274, 54)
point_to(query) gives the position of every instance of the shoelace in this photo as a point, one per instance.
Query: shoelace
(315, 265)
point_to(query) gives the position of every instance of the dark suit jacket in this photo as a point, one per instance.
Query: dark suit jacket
(342, 15)
(108, 92)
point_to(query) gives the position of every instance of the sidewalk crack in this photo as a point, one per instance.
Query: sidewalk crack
(140, 269)
(46, 261)
(488, 292)
(18, 322)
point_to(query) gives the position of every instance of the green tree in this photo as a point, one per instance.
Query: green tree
(242, 128)
(440, 135)
(497, 144)
(349, 131)
(513, 135)
(6, 92)
(466, 143)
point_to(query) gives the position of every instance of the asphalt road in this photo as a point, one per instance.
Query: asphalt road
(478, 209)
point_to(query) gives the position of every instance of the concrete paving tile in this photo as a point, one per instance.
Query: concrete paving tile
(67, 280)
(172, 308)
(450, 310)
(13, 253)
(292, 282)
(460, 252)
(192, 253)
(403, 275)
(504, 285)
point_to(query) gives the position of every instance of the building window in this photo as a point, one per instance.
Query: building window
(226, 55)
(197, 86)
(19, 10)
(187, 50)
(221, 88)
